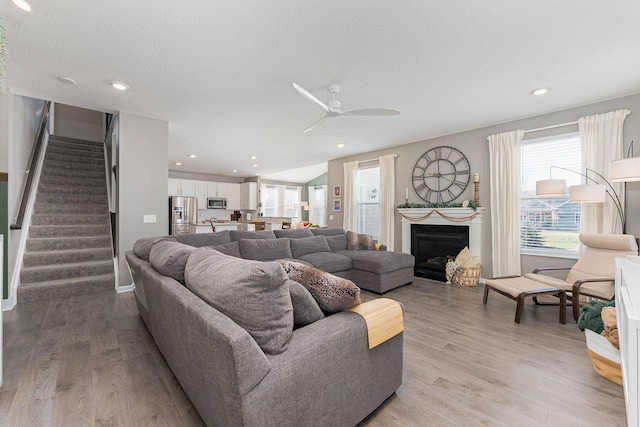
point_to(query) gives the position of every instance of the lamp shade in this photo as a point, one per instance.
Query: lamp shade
(551, 187)
(625, 170)
(587, 193)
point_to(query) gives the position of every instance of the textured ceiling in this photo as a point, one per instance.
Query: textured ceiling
(220, 72)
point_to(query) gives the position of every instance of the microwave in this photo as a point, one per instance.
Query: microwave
(216, 203)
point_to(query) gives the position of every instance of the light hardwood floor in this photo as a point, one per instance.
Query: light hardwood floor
(89, 360)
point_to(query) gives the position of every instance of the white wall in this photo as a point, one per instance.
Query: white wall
(79, 123)
(142, 174)
(474, 145)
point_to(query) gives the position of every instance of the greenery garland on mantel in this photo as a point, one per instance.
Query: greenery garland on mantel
(3, 57)
(472, 205)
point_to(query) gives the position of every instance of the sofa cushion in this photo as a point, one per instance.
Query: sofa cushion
(265, 249)
(379, 262)
(204, 239)
(332, 293)
(327, 261)
(253, 294)
(360, 242)
(305, 308)
(239, 235)
(337, 242)
(169, 258)
(294, 233)
(142, 247)
(328, 231)
(309, 245)
(231, 249)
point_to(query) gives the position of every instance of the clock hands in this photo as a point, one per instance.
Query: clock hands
(440, 175)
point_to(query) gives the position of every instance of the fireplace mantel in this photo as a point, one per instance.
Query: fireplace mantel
(459, 216)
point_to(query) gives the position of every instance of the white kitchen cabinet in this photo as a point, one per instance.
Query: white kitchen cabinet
(233, 196)
(249, 196)
(174, 187)
(217, 189)
(181, 187)
(202, 193)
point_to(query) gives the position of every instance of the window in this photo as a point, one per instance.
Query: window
(368, 201)
(291, 201)
(318, 205)
(269, 199)
(549, 225)
(280, 200)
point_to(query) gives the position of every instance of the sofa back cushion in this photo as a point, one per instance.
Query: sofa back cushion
(308, 245)
(328, 231)
(170, 258)
(295, 233)
(204, 239)
(337, 242)
(231, 249)
(142, 247)
(265, 249)
(239, 235)
(253, 294)
(305, 309)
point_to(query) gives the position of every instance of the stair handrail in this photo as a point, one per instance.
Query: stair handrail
(26, 189)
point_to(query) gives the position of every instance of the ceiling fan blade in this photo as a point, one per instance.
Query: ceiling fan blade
(316, 124)
(305, 93)
(372, 112)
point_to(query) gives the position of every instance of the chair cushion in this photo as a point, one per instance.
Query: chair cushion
(550, 281)
(305, 308)
(239, 235)
(309, 245)
(253, 294)
(379, 262)
(332, 293)
(515, 286)
(169, 258)
(327, 261)
(265, 249)
(293, 233)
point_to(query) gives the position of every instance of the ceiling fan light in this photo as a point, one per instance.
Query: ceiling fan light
(625, 170)
(551, 187)
(587, 193)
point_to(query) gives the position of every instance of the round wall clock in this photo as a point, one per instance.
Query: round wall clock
(441, 175)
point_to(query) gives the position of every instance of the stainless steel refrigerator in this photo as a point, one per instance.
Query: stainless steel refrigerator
(183, 215)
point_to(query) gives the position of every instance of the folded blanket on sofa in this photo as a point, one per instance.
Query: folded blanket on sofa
(383, 317)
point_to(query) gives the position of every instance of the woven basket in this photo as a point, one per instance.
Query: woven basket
(466, 276)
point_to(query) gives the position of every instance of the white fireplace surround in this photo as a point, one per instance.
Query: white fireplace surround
(474, 224)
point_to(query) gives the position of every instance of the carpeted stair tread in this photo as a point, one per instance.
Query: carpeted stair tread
(28, 292)
(70, 219)
(80, 199)
(75, 146)
(64, 243)
(71, 181)
(56, 164)
(43, 273)
(58, 138)
(73, 159)
(75, 152)
(69, 230)
(58, 208)
(69, 256)
(70, 189)
(74, 173)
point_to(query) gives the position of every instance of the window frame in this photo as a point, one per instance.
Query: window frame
(360, 206)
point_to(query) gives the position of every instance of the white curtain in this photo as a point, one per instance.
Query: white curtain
(601, 136)
(350, 194)
(386, 234)
(504, 185)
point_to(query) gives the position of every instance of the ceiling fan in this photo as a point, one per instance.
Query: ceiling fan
(332, 108)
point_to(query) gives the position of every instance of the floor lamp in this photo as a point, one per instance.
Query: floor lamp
(586, 193)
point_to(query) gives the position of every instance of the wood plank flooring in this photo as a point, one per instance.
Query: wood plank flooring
(89, 361)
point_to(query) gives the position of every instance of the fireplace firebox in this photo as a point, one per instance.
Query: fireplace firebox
(433, 245)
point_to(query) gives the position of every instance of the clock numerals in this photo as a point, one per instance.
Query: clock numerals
(438, 153)
(420, 187)
(460, 184)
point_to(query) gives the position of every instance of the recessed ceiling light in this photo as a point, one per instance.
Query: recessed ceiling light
(193, 156)
(340, 145)
(22, 4)
(253, 157)
(178, 164)
(540, 91)
(119, 85)
(254, 165)
(235, 170)
(67, 80)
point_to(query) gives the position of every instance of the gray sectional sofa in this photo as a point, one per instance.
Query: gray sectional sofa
(319, 373)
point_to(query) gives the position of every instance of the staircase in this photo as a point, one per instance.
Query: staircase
(69, 249)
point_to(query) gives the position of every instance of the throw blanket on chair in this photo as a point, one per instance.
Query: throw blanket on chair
(383, 317)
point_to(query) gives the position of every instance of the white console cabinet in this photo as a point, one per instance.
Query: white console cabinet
(628, 314)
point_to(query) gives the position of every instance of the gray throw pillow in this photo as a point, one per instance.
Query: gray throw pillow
(332, 293)
(169, 258)
(253, 294)
(265, 249)
(143, 246)
(231, 249)
(337, 242)
(305, 309)
(308, 245)
(360, 242)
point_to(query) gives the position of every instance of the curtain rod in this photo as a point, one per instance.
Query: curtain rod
(374, 160)
(551, 127)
